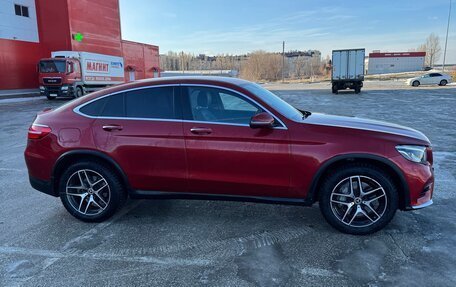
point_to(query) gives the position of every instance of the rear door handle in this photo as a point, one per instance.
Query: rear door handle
(201, 131)
(112, 128)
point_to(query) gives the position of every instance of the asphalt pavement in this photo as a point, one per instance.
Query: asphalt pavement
(205, 243)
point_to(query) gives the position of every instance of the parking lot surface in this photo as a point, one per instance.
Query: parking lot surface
(191, 243)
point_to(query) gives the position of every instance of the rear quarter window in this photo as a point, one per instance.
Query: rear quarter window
(111, 106)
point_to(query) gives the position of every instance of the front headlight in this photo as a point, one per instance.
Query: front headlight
(415, 153)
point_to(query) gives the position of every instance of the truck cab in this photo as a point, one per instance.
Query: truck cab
(60, 77)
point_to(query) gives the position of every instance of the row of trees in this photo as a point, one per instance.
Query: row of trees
(255, 66)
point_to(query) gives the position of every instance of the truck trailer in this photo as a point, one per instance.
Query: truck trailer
(347, 70)
(72, 74)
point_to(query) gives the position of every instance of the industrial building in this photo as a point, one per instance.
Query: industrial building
(32, 29)
(395, 62)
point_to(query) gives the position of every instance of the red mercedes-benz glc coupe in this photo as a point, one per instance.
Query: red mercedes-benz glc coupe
(225, 139)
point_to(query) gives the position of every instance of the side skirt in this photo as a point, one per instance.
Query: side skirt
(143, 194)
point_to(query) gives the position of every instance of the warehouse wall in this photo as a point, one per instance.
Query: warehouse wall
(56, 21)
(18, 57)
(99, 22)
(140, 59)
(383, 63)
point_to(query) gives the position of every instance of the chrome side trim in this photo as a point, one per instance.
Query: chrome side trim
(423, 205)
(77, 109)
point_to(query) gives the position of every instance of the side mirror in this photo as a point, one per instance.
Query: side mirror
(262, 121)
(70, 68)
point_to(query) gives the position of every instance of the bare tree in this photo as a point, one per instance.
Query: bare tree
(432, 48)
(262, 66)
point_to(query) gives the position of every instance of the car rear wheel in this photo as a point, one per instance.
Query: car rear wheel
(91, 192)
(358, 199)
(415, 83)
(443, 82)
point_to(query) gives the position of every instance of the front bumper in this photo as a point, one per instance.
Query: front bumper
(423, 205)
(58, 91)
(420, 181)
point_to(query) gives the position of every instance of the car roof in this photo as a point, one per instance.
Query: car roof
(191, 79)
(233, 83)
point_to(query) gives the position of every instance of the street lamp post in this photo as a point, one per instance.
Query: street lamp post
(446, 39)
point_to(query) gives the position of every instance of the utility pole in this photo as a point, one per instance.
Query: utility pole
(283, 61)
(446, 39)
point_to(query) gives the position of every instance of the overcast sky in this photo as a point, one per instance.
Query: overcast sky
(241, 26)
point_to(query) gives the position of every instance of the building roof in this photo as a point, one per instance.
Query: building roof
(397, 54)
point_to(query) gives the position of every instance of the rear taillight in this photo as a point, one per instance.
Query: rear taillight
(37, 131)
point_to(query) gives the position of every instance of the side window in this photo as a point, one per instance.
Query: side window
(114, 107)
(155, 103)
(436, 75)
(95, 108)
(219, 105)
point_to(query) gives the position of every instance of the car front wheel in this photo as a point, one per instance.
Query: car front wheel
(358, 199)
(91, 192)
(443, 82)
(416, 83)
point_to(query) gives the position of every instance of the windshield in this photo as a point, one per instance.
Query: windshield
(52, 66)
(274, 101)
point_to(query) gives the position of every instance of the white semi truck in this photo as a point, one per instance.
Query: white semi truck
(72, 74)
(347, 70)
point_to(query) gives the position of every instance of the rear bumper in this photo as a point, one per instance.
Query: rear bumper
(43, 186)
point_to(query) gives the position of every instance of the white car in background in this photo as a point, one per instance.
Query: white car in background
(430, 79)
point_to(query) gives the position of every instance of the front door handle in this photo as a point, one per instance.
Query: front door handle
(201, 131)
(110, 128)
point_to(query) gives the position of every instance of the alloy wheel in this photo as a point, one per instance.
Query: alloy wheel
(358, 201)
(88, 192)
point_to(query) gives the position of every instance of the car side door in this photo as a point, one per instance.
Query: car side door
(424, 79)
(141, 129)
(435, 78)
(225, 155)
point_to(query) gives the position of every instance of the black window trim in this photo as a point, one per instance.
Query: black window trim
(179, 94)
(176, 94)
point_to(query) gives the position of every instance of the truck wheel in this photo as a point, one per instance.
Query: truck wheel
(443, 83)
(334, 89)
(416, 83)
(78, 92)
(357, 89)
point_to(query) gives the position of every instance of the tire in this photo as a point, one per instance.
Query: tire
(415, 83)
(443, 83)
(78, 92)
(356, 215)
(50, 98)
(335, 89)
(357, 90)
(78, 187)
